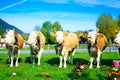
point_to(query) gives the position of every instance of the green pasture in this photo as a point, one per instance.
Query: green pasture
(49, 65)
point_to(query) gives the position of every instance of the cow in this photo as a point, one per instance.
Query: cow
(36, 42)
(14, 43)
(117, 40)
(68, 42)
(96, 42)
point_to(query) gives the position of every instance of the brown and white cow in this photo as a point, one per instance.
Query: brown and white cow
(69, 42)
(117, 41)
(96, 42)
(14, 43)
(36, 41)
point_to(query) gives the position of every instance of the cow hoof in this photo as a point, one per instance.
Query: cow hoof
(11, 65)
(16, 65)
(90, 67)
(60, 66)
(98, 66)
(38, 64)
(65, 67)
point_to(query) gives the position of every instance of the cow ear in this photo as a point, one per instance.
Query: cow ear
(65, 34)
(4, 33)
(53, 34)
(15, 33)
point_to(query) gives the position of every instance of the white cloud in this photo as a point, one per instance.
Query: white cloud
(109, 3)
(12, 5)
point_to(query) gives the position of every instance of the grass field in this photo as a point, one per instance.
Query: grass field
(49, 65)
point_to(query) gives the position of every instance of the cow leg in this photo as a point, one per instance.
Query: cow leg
(91, 62)
(98, 59)
(9, 56)
(33, 58)
(11, 64)
(39, 55)
(62, 53)
(60, 65)
(65, 59)
(72, 56)
(119, 53)
(17, 57)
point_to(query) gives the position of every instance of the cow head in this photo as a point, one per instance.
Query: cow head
(117, 39)
(92, 36)
(10, 37)
(32, 38)
(59, 36)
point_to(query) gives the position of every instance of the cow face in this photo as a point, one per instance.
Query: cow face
(117, 39)
(32, 38)
(10, 37)
(59, 36)
(92, 37)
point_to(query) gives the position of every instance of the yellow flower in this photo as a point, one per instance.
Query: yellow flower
(115, 69)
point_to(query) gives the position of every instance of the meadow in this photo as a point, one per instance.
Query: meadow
(49, 66)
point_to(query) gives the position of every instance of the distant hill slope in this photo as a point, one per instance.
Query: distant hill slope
(5, 26)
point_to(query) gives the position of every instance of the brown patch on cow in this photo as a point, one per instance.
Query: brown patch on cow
(101, 41)
(70, 41)
(19, 40)
(65, 34)
(83, 35)
(41, 38)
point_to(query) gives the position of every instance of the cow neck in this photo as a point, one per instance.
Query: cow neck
(95, 44)
(15, 44)
(37, 43)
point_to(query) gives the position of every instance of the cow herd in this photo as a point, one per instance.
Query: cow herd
(66, 44)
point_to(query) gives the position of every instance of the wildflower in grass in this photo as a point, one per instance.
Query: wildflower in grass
(80, 70)
(114, 73)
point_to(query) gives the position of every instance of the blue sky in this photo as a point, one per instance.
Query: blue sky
(73, 15)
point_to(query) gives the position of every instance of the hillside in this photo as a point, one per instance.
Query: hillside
(5, 26)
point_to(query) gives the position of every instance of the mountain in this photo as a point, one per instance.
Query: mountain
(5, 26)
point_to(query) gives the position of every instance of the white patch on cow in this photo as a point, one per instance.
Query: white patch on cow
(10, 38)
(59, 37)
(117, 40)
(91, 62)
(60, 65)
(32, 38)
(98, 58)
(65, 59)
(12, 57)
(17, 57)
(92, 37)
